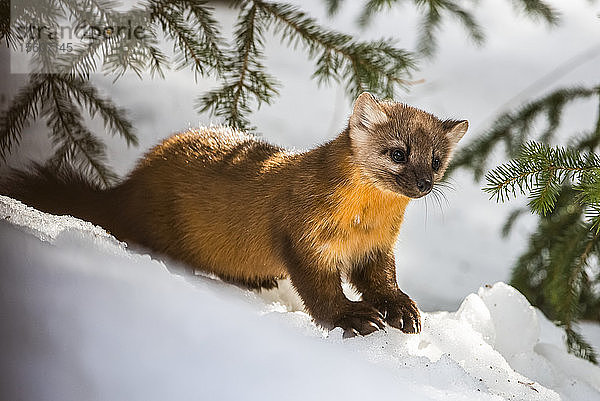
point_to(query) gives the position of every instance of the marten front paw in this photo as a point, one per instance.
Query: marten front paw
(360, 318)
(402, 313)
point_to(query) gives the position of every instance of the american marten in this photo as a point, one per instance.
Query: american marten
(227, 203)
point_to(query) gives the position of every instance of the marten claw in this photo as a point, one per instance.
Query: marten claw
(360, 319)
(402, 313)
(350, 333)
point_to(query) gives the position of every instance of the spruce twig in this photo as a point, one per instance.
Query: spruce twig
(433, 13)
(24, 107)
(75, 142)
(563, 186)
(377, 66)
(247, 77)
(514, 129)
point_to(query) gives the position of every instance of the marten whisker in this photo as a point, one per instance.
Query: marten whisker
(440, 194)
(447, 182)
(447, 185)
(426, 211)
(436, 195)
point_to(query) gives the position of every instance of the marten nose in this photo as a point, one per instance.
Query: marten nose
(424, 185)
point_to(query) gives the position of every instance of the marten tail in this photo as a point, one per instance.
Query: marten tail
(60, 191)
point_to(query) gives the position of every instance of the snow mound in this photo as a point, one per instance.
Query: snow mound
(83, 317)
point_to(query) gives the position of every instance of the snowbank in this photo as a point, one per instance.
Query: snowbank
(85, 318)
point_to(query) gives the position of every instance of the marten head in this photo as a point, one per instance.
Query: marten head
(401, 148)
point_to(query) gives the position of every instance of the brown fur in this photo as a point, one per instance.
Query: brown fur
(250, 212)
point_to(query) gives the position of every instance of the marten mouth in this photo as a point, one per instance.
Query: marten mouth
(402, 189)
(416, 195)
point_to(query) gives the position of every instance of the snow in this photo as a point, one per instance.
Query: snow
(87, 318)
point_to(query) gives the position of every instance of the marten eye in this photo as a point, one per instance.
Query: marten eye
(398, 156)
(435, 163)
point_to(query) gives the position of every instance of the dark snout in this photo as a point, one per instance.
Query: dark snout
(424, 185)
(414, 184)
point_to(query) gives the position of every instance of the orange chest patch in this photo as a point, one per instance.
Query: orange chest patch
(361, 219)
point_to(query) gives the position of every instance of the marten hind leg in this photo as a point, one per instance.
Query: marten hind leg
(375, 278)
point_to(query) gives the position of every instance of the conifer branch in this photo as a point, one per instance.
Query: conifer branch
(534, 268)
(126, 54)
(538, 9)
(92, 11)
(377, 66)
(432, 21)
(371, 8)
(76, 143)
(541, 170)
(82, 60)
(515, 128)
(193, 29)
(174, 23)
(209, 27)
(432, 12)
(24, 107)
(563, 186)
(565, 286)
(432, 17)
(6, 33)
(86, 95)
(333, 6)
(578, 346)
(246, 73)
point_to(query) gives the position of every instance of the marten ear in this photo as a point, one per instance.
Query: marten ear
(367, 113)
(455, 130)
